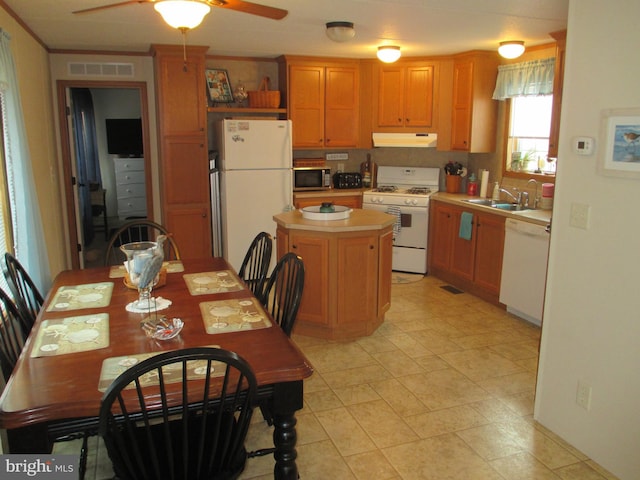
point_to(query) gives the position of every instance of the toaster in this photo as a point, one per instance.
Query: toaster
(345, 180)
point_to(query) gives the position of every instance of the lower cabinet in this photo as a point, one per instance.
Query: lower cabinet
(473, 265)
(347, 286)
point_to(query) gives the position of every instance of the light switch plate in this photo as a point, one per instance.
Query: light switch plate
(579, 216)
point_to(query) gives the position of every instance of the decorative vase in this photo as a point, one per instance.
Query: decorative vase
(453, 183)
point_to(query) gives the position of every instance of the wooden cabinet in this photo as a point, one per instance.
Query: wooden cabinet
(558, 81)
(405, 95)
(323, 102)
(184, 168)
(130, 187)
(347, 286)
(474, 112)
(474, 265)
(306, 200)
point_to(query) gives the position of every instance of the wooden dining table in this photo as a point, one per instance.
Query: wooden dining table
(55, 384)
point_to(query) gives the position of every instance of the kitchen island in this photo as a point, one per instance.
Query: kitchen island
(347, 287)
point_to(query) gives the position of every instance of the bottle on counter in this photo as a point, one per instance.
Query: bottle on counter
(472, 186)
(496, 192)
(365, 169)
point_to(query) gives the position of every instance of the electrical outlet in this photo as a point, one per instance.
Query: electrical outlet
(336, 156)
(579, 216)
(340, 167)
(583, 395)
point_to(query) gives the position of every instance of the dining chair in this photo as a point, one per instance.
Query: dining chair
(139, 230)
(26, 295)
(13, 334)
(182, 414)
(255, 265)
(283, 291)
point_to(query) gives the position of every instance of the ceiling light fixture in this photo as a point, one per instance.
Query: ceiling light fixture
(340, 31)
(182, 14)
(389, 53)
(511, 48)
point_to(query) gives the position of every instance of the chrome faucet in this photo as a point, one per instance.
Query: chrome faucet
(516, 198)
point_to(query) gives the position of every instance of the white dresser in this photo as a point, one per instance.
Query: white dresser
(130, 187)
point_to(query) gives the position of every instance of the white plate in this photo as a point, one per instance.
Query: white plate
(49, 347)
(202, 280)
(223, 311)
(81, 336)
(89, 297)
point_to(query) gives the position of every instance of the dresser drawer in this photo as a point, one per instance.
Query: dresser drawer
(125, 178)
(133, 204)
(129, 190)
(129, 165)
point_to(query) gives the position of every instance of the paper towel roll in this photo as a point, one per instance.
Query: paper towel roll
(484, 183)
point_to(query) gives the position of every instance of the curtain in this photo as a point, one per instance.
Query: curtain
(28, 233)
(88, 161)
(525, 79)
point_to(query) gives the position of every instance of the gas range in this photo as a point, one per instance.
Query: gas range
(410, 186)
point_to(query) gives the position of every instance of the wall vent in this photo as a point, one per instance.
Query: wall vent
(101, 69)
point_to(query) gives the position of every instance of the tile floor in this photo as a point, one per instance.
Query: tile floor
(442, 390)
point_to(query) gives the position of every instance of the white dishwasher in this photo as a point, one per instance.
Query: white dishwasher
(524, 269)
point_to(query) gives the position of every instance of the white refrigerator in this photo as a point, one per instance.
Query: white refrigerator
(255, 163)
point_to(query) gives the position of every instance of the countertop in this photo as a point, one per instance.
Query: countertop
(537, 216)
(359, 220)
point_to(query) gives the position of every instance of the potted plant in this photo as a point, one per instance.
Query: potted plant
(454, 172)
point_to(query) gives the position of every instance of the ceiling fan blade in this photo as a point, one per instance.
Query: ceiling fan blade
(112, 5)
(252, 8)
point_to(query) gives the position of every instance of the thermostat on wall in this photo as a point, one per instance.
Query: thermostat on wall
(583, 145)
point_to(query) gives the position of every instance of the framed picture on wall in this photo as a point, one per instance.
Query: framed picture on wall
(620, 143)
(219, 86)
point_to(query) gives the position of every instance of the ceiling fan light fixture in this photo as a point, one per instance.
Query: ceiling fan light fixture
(388, 53)
(511, 48)
(182, 14)
(340, 31)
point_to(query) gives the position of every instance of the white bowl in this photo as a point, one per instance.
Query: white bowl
(314, 213)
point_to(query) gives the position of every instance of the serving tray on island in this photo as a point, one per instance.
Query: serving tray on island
(313, 213)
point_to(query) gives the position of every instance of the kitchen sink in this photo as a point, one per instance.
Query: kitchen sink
(485, 202)
(480, 201)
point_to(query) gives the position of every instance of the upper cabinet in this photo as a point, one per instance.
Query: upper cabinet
(184, 168)
(558, 80)
(322, 101)
(405, 95)
(474, 112)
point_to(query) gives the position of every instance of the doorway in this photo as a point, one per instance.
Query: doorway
(86, 244)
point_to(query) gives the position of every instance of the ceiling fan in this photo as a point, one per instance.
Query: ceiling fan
(237, 5)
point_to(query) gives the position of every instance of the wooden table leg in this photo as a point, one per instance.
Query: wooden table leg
(287, 399)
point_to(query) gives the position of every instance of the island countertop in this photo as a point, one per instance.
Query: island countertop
(358, 221)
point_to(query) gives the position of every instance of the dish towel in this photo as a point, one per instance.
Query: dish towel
(395, 211)
(466, 225)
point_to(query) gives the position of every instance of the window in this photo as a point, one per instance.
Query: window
(528, 138)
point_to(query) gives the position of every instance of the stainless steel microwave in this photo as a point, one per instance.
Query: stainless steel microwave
(311, 178)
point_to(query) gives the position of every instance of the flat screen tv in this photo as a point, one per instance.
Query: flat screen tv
(124, 136)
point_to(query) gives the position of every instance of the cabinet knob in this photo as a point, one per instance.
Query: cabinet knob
(407, 120)
(371, 247)
(204, 215)
(294, 246)
(399, 120)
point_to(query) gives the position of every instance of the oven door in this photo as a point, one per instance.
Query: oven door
(410, 243)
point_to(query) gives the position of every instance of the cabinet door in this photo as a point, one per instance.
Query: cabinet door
(186, 194)
(418, 109)
(442, 225)
(489, 248)
(183, 98)
(341, 106)
(391, 96)
(463, 252)
(385, 260)
(462, 97)
(314, 307)
(357, 279)
(306, 108)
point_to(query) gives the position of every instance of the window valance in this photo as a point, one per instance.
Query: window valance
(525, 79)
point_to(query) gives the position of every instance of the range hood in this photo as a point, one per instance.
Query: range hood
(414, 140)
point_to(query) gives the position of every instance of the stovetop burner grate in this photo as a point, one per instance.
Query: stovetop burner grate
(385, 188)
(418, 191)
